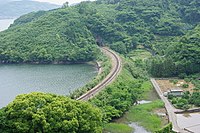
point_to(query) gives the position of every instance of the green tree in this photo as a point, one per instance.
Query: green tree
(48, 113)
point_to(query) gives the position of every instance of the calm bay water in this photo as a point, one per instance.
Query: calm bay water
(57, 79)
(5, 23)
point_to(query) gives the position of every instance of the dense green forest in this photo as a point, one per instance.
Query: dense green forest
(169, 28)
(48, 113)
(55, 36)
(177, 56)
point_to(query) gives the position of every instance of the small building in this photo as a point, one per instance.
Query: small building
(175, 92)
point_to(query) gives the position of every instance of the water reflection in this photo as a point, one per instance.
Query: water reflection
(58, 79)
(137, 128)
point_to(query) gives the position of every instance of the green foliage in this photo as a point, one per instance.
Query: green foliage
(174, 100)
(186, 52)
(190, 10)
(195, 99)
(174, 81)
(105, 67)
(117, 128)
(187, 80)
(28, 18)
(137, 72)
(39, 112)
(69, 34)
(182, 75)
(170, 96)
(186, 100)
(46, 37)
(186, 95)
(185, 85)
(182, 103)
(162, 67)
(166, 129)
(143, 114)
(117, 98)
(183, 52)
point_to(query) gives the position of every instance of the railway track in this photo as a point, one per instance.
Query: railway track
(116, 67)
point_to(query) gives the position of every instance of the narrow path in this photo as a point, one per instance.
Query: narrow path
(170, 109)
(116, 68)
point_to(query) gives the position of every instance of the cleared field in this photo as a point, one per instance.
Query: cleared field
(166, 85)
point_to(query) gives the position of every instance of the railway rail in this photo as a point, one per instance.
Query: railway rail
(116, 68)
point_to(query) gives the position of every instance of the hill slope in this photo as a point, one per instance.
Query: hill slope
(71, 33)
(49, 38)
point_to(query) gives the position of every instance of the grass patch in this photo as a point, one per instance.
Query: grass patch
(146, 87)
(131, 85)
(139, 54)
(117, 128)
(144, 116)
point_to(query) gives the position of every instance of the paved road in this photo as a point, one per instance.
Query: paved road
(116, 68)
(170, 109)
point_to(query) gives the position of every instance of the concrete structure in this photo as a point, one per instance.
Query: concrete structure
(170, 109)
(176, 92)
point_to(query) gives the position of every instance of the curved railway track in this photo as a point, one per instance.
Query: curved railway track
(116, 67)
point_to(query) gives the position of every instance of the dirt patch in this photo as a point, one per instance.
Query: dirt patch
(166, 85)
(163, 115)
(161, 110)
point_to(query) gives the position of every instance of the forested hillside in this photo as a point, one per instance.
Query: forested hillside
(69, 34)
(45, 37)
(167, 31)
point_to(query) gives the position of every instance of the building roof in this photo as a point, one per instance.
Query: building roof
(176, 90)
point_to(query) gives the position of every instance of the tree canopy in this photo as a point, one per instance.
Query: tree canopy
(48, 113)
(70, 33)
(45, 37)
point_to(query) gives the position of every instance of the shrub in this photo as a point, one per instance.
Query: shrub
(48, 113)
(181, 103)
(187, 80)
(195, 99)
(175, 81)
(170, 96)
(186, 95)
(166, 129)
(174, 101)
(196, 89)
(185, 85)
(182, 75)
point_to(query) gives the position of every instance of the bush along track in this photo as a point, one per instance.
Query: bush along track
(131, 85)
(116, 69)
(116, 99)
(105, 64)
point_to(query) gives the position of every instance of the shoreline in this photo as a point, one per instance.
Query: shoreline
(94, 63)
